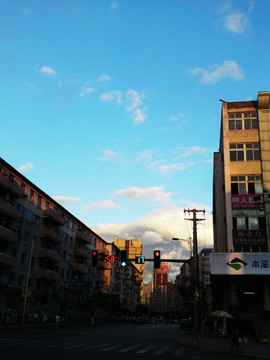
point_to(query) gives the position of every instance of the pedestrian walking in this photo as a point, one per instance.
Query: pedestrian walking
(235, 338)
(57, 321)
(92, 323)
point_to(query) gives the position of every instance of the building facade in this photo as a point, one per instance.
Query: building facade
(241, 192)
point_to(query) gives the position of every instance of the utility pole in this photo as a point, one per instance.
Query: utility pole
(195, 271)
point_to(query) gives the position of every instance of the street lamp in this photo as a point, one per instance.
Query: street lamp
(189, 243)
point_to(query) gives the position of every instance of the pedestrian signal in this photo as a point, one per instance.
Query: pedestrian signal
(139, 260)
(94, 258)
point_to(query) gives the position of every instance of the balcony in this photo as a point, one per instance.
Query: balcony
(49, 254)
(80, 235)
(80, 268)
(47, 274)
(103, 250)
(11, 186)
(54, 217)
(8, 235)
(9, 210)
(6, 260)
(51, 234)
(79, 251)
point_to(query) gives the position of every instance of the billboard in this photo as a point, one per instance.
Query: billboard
(240, 263)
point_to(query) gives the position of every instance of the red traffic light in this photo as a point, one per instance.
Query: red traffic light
(157, 253)
(94, 253)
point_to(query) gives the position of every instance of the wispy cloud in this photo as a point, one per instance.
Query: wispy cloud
(26, 167)
(145, 156)
(66, 200)
(148, 193)
(111, 155)
(170, 169)
(47, 70)
(104, 78)
(87, 89)
(134, 106)
(190, 151)
(114, 5)
(115, 96)
(236, 23)
(229, 68)
(101, 205)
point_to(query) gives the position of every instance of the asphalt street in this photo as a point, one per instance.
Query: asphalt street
(116, 341)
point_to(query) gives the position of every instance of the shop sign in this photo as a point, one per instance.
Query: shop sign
(240, 263)
(249, 237)
(247, 201)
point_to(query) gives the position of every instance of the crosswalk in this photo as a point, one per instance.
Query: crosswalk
(63, 345)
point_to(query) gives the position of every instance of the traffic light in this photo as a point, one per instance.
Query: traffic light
(156, 259)
(139, 260)
(197, 295)
(123, 258)
(94, 258)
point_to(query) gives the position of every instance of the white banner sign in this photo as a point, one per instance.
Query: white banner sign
(240, 263)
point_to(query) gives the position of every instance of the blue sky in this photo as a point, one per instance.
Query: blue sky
(112, 107)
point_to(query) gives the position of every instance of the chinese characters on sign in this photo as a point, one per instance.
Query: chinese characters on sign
(243, 237)
(263, 264)
(246, 201)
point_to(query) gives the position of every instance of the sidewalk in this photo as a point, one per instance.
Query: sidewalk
(257, 351)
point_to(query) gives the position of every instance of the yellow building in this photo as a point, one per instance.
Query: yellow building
(133, 249)
(240, 263)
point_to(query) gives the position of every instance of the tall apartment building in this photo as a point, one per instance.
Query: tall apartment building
(161, 275)
(44, 246)
(240, 263)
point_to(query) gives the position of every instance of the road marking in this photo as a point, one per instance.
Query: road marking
(93, 346)
(163, 350)
(111, 347)
(127, 349)
(179, 351)
(144, 350)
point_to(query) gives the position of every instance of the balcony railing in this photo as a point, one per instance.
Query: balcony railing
(8, 235)
(6, 260)
(82, 236)
(80, 268)
(79, 251)
(50, 233)
(49, 254)
(47, 274)
(54, 217)
(9, 210)
(11, 186)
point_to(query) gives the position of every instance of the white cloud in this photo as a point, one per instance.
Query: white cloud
(104, 78)
(229, 68)
(134, 100)
(111, 155)
(177, 117)
(156, 229)
(86, 89)
(48, 71)
(114, 96)
(26, 167)
(171, 168)
(190, 151)
(148, 193)
(145, 156)
(66, 200)
(101, 205)
(236, 23)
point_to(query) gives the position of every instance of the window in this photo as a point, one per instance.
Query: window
(246, 185)
(31, 196)
(245, 152)
(37, 220)
(26, 236)
(248, 220)
(20, 207)
(28, 216)
(243, 121)
(39, 201)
